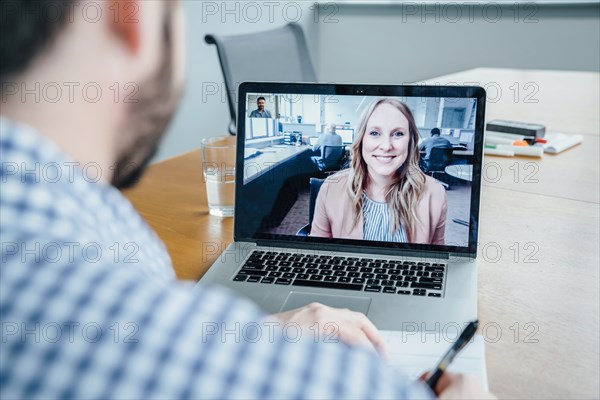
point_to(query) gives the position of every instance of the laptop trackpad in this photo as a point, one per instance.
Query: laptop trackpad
(301, 299)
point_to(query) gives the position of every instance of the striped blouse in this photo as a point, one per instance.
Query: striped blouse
(377, 220)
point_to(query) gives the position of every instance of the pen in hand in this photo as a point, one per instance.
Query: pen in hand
(464, 338)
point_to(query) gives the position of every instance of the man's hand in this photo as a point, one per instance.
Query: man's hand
(458, 386)
(351, 327)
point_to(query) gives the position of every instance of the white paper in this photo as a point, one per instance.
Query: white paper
(413, 353)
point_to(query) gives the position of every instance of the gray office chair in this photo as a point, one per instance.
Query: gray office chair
(278, 55)
(332, 159)
(439, 159)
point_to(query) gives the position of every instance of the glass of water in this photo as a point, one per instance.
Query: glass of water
(218, 169)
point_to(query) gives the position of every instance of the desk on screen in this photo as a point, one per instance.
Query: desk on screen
(270, 158)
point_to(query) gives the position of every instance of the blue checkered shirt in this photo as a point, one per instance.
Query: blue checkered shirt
(90, 307)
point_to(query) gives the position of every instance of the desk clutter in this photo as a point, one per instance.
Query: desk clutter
(292, 139)
(509, 139)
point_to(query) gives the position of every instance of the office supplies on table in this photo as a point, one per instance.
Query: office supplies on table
(500, 135)
(490, 139)
(431, 284)
(528, 151)
(559, 142)
(527, 130)
(500, 140)
(464, 338)
(492, 151)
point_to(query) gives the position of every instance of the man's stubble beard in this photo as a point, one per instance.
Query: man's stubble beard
(154, 107)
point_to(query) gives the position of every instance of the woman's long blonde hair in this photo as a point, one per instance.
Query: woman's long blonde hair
(403, 195)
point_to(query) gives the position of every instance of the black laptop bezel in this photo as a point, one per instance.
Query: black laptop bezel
(349, 245)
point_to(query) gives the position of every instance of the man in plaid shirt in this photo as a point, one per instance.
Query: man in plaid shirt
(89, 303)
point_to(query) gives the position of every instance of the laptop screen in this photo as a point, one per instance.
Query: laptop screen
(391, 178)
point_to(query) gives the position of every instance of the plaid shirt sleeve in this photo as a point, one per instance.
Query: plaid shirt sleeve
(77, 324)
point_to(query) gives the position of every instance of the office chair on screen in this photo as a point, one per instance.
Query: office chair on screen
(277, 55)
(331, 159)
(315, 186)
(439, 159)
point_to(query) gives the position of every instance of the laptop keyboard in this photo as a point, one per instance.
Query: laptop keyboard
(346, 273)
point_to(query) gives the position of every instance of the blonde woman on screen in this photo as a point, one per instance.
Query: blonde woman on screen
(384, 196)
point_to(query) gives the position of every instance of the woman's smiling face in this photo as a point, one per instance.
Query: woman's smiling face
(385, 142)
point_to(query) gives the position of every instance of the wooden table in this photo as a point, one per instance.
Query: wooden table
(539, 237)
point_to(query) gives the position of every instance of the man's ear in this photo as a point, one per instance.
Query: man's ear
(124, 21)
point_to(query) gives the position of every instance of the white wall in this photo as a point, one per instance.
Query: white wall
(410, 42)
(383, 44)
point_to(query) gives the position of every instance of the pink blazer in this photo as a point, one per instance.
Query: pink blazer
(333, 212)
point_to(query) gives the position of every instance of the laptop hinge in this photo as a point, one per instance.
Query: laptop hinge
(335, 248)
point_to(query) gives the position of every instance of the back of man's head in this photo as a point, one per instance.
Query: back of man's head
(95, 78)
(27, 27)
(435, 132)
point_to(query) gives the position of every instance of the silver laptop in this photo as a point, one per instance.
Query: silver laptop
(279, 262)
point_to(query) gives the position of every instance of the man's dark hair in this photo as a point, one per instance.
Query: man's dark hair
(260, 98)
(435, 132)
(27, 27)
